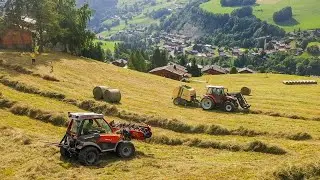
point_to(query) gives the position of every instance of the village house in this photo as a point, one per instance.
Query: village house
(222, 54)
(245, 71)
(236, 52)
(213, 70)
(172, 71)
(120, 62)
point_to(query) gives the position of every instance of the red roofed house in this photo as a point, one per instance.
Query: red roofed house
(171, 71)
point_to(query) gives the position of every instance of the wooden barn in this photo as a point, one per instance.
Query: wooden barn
(16, 39)
(171, 71)
(213, 70)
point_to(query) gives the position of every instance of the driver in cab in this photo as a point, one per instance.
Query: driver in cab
(88, 127)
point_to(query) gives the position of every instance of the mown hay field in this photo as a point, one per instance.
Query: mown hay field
(305, 13)
(279, 112)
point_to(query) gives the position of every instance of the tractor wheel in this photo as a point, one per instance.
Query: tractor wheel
(65, 154)
(89, 156)
(176, 101)
(126, 150)
(207, 104)
(229, 106)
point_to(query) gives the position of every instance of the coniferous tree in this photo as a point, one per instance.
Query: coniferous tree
(156, 58)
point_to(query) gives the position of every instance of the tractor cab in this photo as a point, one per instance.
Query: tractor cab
(88, 124)
(219, 94)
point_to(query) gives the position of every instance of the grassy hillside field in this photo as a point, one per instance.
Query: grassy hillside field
(107, 44)
(278, 114)
(306, 13)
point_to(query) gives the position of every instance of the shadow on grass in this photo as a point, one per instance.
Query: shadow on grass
(106, 159)
(290, 22)
(216, 109)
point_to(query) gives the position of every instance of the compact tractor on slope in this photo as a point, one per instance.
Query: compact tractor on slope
(215, 97)
(88, 135)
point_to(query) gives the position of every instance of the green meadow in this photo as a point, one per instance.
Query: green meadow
(306, 13)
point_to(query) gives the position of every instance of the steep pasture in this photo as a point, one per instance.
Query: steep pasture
(282, 128)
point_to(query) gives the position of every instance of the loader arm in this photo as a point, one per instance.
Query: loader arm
(242, 100)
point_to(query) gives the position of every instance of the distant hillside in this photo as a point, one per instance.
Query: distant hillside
(103, 9)
(306, 13)
(221, 29)
(136, 13)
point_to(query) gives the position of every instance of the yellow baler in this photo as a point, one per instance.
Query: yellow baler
(185, 95)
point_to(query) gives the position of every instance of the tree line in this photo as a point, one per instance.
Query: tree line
(58, 22)
(280, 62)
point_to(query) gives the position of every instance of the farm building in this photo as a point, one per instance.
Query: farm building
(245, 71)
(213, 70)
(16, 39)
(120, 62)
(171, 71)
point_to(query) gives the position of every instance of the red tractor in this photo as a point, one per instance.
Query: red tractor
(89, 135)
(218, 96)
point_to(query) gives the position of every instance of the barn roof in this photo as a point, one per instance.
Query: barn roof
(214, 67)
(246, 69)
(171, 68)
(120, 61)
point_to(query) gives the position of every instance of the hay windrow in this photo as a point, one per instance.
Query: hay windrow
(15, 67)
(258, 146)
(277, 114)
(29, 89)
(295, 172)
(299, 136)
(57, 119)
(255, 146)
(50, 78)
(5, 103)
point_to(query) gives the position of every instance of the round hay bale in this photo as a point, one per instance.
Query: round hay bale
(98, 92)
(245, 91)
(112, 95)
